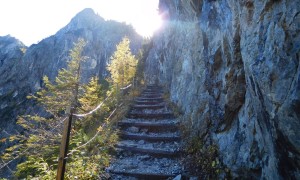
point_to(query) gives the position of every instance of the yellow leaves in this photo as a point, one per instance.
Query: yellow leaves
(3, 140)
(100, 128)
(14, 137)
(123, 64)
(22, 122)
(213, 164)
(34, 139)
(55, 97)
(29, 122)
(29, 97)
(12, 148)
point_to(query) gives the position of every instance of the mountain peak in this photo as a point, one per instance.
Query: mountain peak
(86, 13)
(86, 18)
(8, 39)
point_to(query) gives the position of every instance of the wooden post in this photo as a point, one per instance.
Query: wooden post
(117, 91)
(64, 147)
(133, 85)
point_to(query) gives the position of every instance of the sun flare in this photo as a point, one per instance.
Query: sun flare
(147, 27)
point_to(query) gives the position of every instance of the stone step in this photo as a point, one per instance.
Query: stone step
(149, 99)
(152, 93)
(149, 129)
(153, 87)
(152, 137)
(131, 120)
(152, 152)
(149, 126)
(152, 96)
(150, 116)
(139, 102)
(146, 111)
(123, 175)
(149, 106)
(170, 149)
(149, 146)
(145, 167)
(146, 124)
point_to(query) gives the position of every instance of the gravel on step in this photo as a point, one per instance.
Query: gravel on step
(163, 146)
(151, 106)
(145, 164)
(152, 134)
(150, 111)
(163, 121)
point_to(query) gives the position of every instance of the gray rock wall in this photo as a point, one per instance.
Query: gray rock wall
(233, 69)
(11, 86)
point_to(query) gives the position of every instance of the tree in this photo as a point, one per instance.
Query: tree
(123, 64)
(93, 95)
(90, 141)
(57, 97)
(40, 142)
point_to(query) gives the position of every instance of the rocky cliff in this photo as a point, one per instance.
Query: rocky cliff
(22, 68)
(233, 69)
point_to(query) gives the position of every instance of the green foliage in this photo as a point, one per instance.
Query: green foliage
(93, 94)
(201, 155)
(35, 167)
(202, 160)
(123, 64)
(89, 162)
(92, 138)
(175, 109)
(57, 97)
(39, 144)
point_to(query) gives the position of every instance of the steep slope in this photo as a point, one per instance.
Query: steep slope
(11, 53)
(22, 68)
(233, 69)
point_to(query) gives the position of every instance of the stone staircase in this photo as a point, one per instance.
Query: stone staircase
(150, 139)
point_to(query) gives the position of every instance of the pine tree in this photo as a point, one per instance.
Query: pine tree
(93, 95)
(57, 97)
(39, 145)
(40, 142)
(123, 64)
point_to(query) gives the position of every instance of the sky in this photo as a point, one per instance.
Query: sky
(30, 21)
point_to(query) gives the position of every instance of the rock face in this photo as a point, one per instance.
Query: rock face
(11, 86)
(22, 68)
(233, 69)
